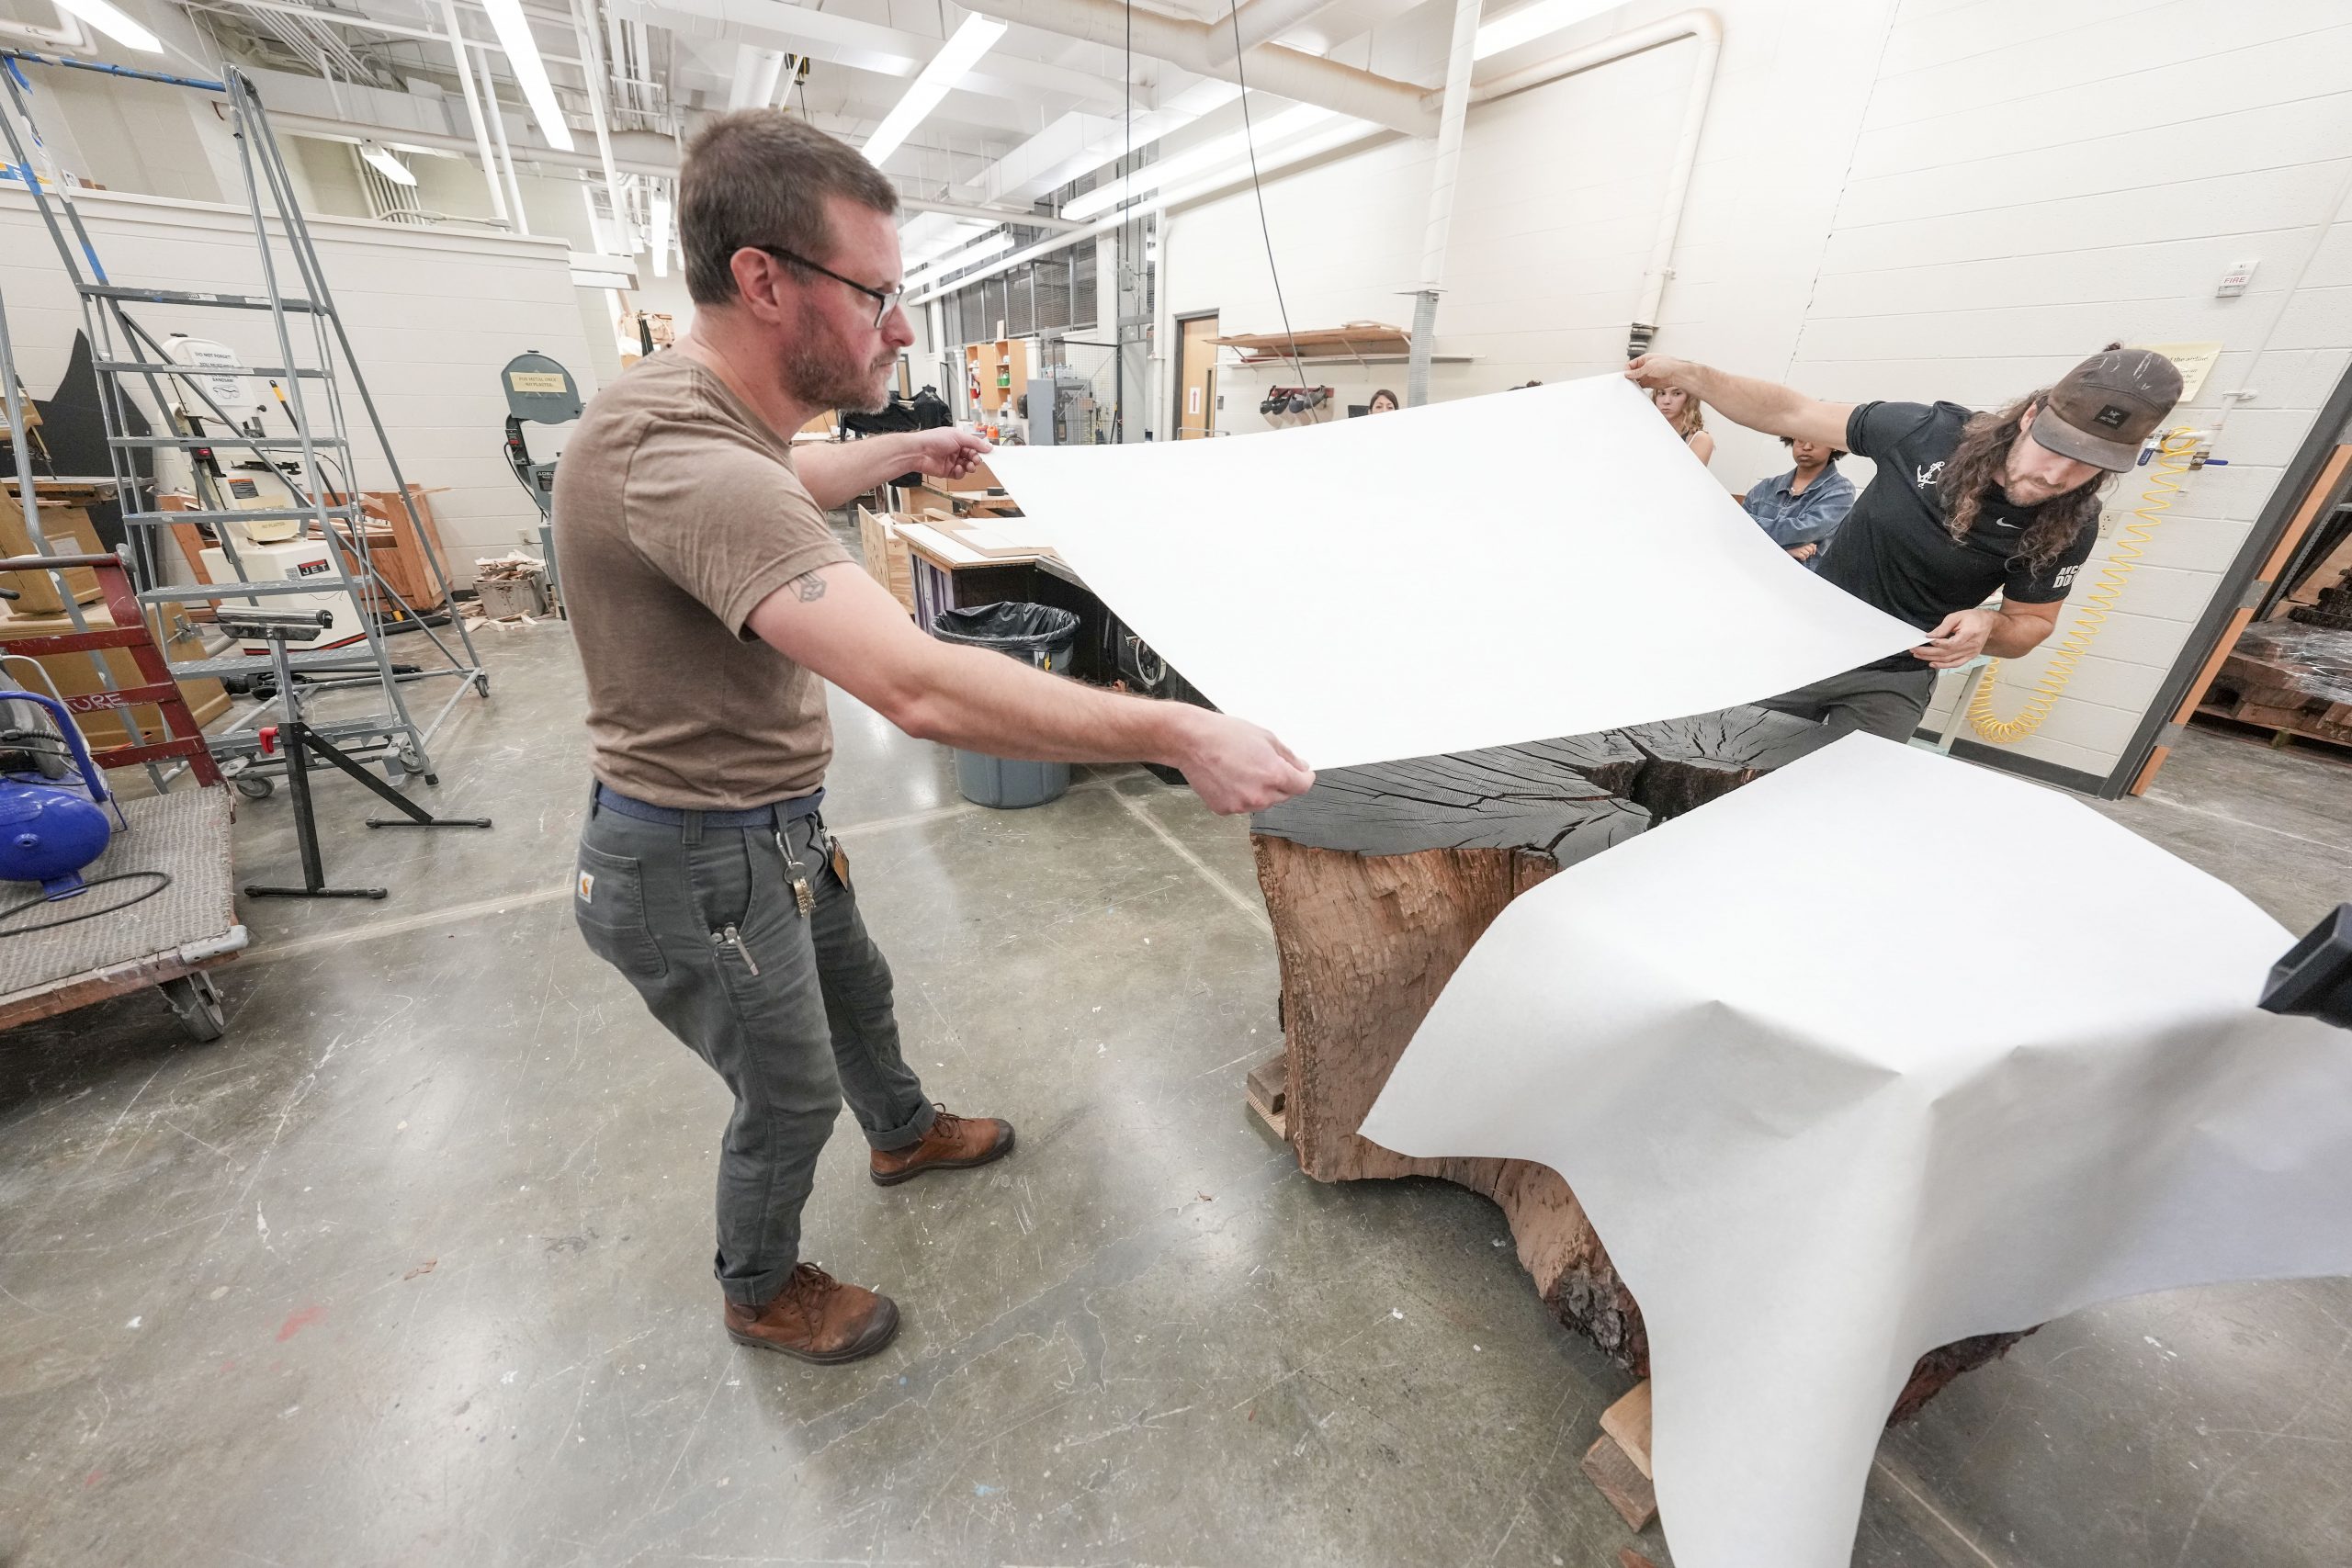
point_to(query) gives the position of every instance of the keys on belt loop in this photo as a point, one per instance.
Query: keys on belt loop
(803, 898)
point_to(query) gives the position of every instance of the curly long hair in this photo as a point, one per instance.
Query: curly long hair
(1975, 470)
(1695, 413)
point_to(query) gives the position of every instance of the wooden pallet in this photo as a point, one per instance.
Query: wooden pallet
(2286, 726)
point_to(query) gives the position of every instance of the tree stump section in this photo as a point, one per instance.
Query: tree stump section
(1379, 881)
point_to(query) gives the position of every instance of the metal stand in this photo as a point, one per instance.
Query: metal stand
(300, 743)
(126, 355)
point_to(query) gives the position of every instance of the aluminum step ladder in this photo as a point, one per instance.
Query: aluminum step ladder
(128, 355)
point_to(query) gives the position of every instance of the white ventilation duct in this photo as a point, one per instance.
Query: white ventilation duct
(1260, 21)
(1285, 73)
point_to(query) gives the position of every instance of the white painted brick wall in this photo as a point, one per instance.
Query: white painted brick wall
(2036, 177)
(1894, 198)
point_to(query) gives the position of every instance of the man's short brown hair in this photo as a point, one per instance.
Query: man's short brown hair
(760, 177)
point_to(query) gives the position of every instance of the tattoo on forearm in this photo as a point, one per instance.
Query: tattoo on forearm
(812, 588)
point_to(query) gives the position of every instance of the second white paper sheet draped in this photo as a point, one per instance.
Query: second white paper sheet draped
(1820, 1141)
(1535, 563)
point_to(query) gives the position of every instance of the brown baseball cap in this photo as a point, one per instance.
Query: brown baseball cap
(2102, 409)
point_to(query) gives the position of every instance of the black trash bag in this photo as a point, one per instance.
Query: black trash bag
(1035, 634)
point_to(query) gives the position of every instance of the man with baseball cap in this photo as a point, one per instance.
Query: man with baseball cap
(1963, 504)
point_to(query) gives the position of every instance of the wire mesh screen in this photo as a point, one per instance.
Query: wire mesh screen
(1021, 307)
(1081, 286)
(1053, 290)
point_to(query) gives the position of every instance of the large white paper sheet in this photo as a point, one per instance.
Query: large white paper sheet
(1877, 1053)
(1482, 573)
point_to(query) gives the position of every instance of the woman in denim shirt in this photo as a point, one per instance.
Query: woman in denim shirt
(1802, 508)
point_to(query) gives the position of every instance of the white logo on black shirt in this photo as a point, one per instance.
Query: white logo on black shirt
(2065, 578)
(1928, 474)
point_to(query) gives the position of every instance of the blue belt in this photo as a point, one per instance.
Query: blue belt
(783, 811)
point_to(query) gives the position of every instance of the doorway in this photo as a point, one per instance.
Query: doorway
(1196, 377)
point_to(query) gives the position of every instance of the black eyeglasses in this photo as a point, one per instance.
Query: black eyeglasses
(885, 299)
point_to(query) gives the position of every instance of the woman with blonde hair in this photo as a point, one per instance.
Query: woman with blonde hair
(1689, 417)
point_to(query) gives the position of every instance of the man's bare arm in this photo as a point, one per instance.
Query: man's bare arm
(836, 471)
(837, 622)
(2005, 633)
(1760, 405)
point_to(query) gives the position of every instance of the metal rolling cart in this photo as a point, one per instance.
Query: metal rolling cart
(161, 910)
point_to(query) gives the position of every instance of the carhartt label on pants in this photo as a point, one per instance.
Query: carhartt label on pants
(587, 887)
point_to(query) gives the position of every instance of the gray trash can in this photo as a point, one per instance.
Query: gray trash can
(1035, 634)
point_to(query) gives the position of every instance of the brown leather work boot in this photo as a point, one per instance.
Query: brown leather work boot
(954, 1142)
(816, 1318)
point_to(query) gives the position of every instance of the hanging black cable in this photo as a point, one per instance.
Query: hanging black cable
(1119, 273)
(1250, 139)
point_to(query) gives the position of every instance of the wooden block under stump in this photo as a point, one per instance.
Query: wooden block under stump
(1628, 1558)
(1629, 1492)
(1268, 1087)
(1628, 1421)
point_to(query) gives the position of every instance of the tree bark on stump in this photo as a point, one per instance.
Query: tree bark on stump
(1381, 879)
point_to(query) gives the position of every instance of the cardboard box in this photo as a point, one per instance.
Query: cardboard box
(887, 560)
(70, 532)
(76, 674)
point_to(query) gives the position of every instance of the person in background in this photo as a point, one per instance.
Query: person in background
(1802, 508)
(1383, 401)
(1964, 505)
(1689, 420)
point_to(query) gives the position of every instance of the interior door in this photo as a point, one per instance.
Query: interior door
(1196, 379)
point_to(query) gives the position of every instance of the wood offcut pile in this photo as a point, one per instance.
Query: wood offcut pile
(509, 589)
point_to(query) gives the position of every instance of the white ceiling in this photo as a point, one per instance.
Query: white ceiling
(1051, 104)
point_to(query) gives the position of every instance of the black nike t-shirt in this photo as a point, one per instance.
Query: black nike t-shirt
(1894, 551)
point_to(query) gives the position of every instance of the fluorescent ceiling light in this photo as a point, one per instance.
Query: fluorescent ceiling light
(381, 160)
(530, 70)
(957, 55)
(1299, 152)
(1531, 22)
(658, 242)
(959, 235)
(1200, 99)
(593, 269)
(110, 19)
(1209, 154)
(981, 250)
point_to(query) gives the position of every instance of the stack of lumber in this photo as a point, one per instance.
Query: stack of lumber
(2288, 677)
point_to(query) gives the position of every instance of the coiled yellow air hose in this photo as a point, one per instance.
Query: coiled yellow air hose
(2173, 458)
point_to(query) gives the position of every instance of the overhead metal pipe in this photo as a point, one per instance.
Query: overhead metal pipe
(1703, 25)
(624, 232)
(1443, 172)
(1286, 72)
(474, 112)
(1261, 21)
(298, 124)
(498, 135)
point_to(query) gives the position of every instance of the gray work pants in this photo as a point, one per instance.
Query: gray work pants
(792, 1011)
(1882, 702)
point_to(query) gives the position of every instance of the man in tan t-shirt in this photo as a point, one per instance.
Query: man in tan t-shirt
(710, 603)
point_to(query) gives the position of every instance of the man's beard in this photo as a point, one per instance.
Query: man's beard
(820, 372)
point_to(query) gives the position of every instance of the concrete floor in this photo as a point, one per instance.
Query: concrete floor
(414, 1265)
